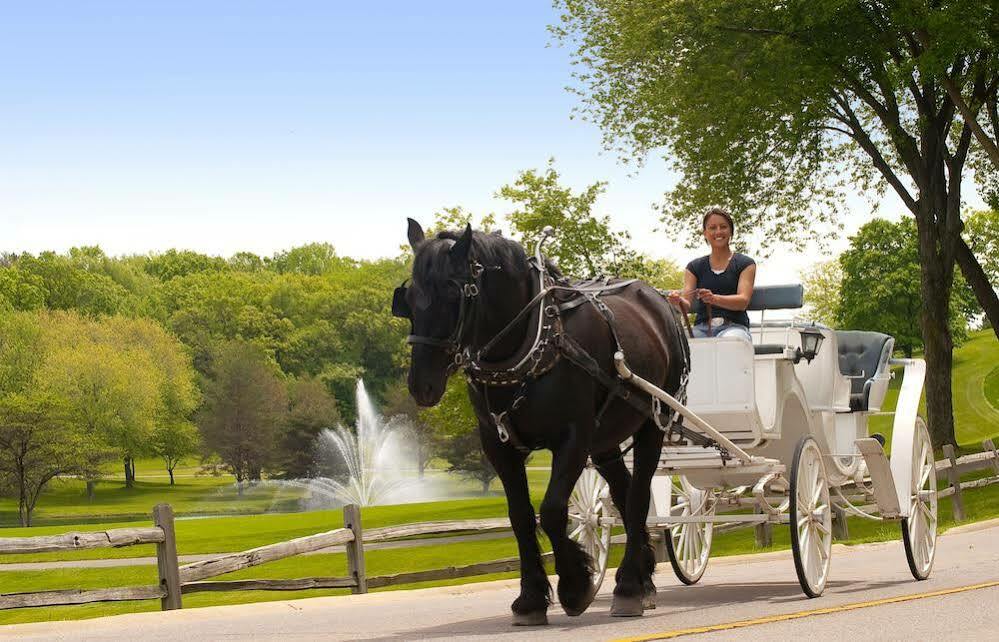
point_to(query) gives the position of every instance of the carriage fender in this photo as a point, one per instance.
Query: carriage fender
(904, 428)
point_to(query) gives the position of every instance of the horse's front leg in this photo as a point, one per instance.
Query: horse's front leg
(573, 565)
(531, 606)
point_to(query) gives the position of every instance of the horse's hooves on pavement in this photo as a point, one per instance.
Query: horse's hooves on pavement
(627, 606)
(649, 601)
(583, 604)
(535, 618)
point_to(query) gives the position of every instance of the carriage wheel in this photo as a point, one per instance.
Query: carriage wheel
(589, 522)
(811, 517)
(919, 529)
(689, 544)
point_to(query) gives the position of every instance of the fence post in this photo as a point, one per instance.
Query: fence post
(764, 532)
(840, 529)
(166, 558)
(991, 448)
(355, 548)
(955, 482)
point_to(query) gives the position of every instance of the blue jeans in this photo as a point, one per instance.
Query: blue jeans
(728, 330)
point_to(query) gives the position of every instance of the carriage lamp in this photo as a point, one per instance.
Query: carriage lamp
(811, 341)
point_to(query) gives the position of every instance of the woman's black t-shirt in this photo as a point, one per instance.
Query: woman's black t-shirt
(725, 283)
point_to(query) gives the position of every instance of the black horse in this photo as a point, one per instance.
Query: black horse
(539, 356)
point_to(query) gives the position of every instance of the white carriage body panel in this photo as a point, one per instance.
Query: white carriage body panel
(722, 388)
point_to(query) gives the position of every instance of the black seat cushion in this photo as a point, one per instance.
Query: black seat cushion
(862, 355)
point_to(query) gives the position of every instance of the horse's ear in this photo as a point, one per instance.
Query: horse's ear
(459, 251)
(415, 232)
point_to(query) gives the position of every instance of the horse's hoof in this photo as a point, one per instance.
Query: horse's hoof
(649, 601)
(534, 618)
(630, 606)
(583, 603)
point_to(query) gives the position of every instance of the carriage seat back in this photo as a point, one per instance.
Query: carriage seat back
(863, 357)
(777, 297)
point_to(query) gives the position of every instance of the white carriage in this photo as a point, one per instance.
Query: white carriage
(789, 442)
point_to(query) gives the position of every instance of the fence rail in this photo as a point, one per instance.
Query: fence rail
(176, 580)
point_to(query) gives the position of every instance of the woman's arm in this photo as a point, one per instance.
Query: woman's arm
(738, 301)
(684, 297)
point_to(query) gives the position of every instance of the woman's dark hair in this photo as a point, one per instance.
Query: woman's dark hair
(718, 211)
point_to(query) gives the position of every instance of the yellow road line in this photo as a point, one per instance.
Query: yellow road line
(666, 635)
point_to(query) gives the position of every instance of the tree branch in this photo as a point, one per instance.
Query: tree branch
(868, 145)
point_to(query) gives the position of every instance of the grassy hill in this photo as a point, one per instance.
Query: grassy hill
(975, 389)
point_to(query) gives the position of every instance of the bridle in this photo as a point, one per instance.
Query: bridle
(453, 344)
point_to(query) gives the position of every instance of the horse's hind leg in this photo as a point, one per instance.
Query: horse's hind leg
(576, 589)
(634, 575)
(531, 605)
(612, 468)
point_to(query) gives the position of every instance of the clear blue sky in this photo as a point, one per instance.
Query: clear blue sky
(222, 126)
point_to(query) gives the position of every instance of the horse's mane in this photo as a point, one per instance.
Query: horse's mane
(490, 249)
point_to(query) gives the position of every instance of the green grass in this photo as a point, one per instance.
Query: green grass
(975, 389)
(991, 388)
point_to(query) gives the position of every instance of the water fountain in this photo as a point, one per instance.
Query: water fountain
(373, 464)
(375, 456)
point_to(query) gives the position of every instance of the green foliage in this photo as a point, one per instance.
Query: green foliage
(584, 244)
(311, 408)
(822, 284)
(173, 441)
(981, 232)
(175, 263)
(880, 290)
(245, 404)
(38, 442)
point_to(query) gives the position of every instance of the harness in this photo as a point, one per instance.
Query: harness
(545, 344)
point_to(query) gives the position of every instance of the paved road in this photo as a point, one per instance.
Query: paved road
(871, 596)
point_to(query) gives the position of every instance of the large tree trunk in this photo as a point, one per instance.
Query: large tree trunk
(979, 282)
(129, 472)
(170, 470)
(90, 489)
(937, 280)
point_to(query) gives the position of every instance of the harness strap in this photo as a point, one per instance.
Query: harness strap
(642, 403)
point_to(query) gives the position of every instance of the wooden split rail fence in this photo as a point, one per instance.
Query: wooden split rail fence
(176, 580)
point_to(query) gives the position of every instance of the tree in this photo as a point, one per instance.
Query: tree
(877, 291)
(779, 108)
(245, 402)
(37, 442)
(174, 441)
(822, 284)
(584, 244)
(311, 408)
(463, 453)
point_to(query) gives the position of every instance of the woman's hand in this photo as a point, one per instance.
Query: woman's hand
(673, 296)
(706, 296)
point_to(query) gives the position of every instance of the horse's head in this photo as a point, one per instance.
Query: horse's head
(438, 304)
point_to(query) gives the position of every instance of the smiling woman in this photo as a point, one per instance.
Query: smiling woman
(721, 281)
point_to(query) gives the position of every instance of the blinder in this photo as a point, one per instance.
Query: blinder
(400, 307)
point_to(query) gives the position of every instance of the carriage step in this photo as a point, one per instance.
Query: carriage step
(883, 482)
